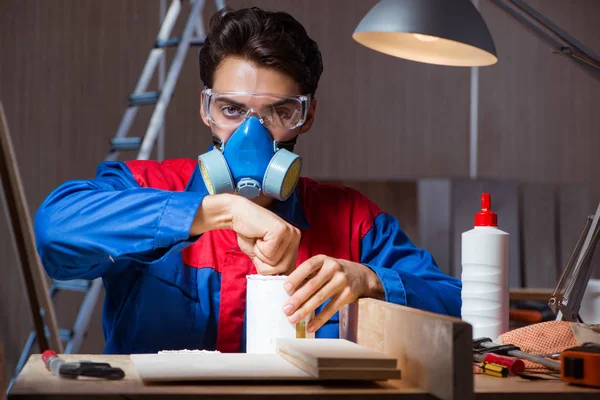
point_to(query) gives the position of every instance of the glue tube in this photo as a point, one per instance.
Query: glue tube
(52, 361)
(484, 259)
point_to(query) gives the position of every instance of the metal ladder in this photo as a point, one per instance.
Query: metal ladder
(193, 35)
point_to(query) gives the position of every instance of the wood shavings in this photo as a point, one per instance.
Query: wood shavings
(186, 351)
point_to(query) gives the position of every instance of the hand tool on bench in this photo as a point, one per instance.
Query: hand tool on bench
(73, 370)
(581, 365)
(512, 364)
(485, 345)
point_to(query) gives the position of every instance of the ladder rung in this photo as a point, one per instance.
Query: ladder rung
(76, 285)
(126, 143)
(171, 42)
(65, 334)
(141, 99)
(196, 42)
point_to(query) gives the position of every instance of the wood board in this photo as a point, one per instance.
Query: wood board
(338, 359)
(434, 352)
(215, 367)
(360, 364)
(334, 353)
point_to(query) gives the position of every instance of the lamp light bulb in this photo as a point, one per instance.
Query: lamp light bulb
(425, 38)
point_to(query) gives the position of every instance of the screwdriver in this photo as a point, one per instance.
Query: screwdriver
(499, 371)
(516, 352)
(513, 365)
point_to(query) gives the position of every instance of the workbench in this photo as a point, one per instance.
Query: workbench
(412, 336)
(35, 382)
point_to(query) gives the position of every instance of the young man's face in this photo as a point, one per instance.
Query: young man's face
(238, 75)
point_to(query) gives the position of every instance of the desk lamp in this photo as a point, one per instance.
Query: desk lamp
(453, 33)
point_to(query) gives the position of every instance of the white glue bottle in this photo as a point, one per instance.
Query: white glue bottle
(484, 260)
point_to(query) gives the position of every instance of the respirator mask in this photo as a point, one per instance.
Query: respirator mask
(250, 161)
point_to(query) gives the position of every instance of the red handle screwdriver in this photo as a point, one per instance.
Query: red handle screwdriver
(514, 365)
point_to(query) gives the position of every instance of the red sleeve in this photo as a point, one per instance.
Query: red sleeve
(172, 175)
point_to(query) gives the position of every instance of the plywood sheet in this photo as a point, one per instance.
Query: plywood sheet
(215, 367)
(338, 359)
(334, 353)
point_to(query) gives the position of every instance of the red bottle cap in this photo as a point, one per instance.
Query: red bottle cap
(46, 355)
(486, 217)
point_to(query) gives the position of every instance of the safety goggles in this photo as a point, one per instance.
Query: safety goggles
(231, 109)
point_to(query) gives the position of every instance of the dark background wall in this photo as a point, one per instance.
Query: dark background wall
(67, 67)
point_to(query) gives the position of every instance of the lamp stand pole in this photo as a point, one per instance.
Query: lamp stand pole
(474, 117)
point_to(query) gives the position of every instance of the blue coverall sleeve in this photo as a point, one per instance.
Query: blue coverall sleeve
(409, 274)
(83, 227)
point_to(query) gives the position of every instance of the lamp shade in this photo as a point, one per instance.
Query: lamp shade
(443, 32)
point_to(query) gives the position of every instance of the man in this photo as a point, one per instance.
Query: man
(174, 241)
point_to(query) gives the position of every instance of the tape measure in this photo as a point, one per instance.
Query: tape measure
(581, 365)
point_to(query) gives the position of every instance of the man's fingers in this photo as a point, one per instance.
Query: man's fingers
(277, 243)
(263, 268)
(270, 251)
(246, 245)
(330, 309)
(311, 286)
(331, 289)
(302, 272)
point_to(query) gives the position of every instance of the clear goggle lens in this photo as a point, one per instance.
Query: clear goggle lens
(231, 109)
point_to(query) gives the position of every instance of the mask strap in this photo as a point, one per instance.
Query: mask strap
(288, 144)
(216, 141)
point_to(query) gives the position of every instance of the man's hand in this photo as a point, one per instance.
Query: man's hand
(267, 239)
(321, 278)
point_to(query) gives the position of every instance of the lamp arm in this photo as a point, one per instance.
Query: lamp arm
(560, 41)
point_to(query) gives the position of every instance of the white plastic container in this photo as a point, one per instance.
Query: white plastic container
(484, 259)
(265, 319)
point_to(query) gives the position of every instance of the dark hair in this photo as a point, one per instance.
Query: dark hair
(271, 39)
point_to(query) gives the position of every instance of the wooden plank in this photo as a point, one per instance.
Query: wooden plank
(36, 382)
(361, 374)
(302, 365)
(433, 351)
(24, 238)
(337, 359)
(216, 367)
(466, 201)
(434, 211)
(334, 353)
(539, 236)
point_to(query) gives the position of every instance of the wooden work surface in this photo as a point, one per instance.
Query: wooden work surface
(516, 388)
(36, 382)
